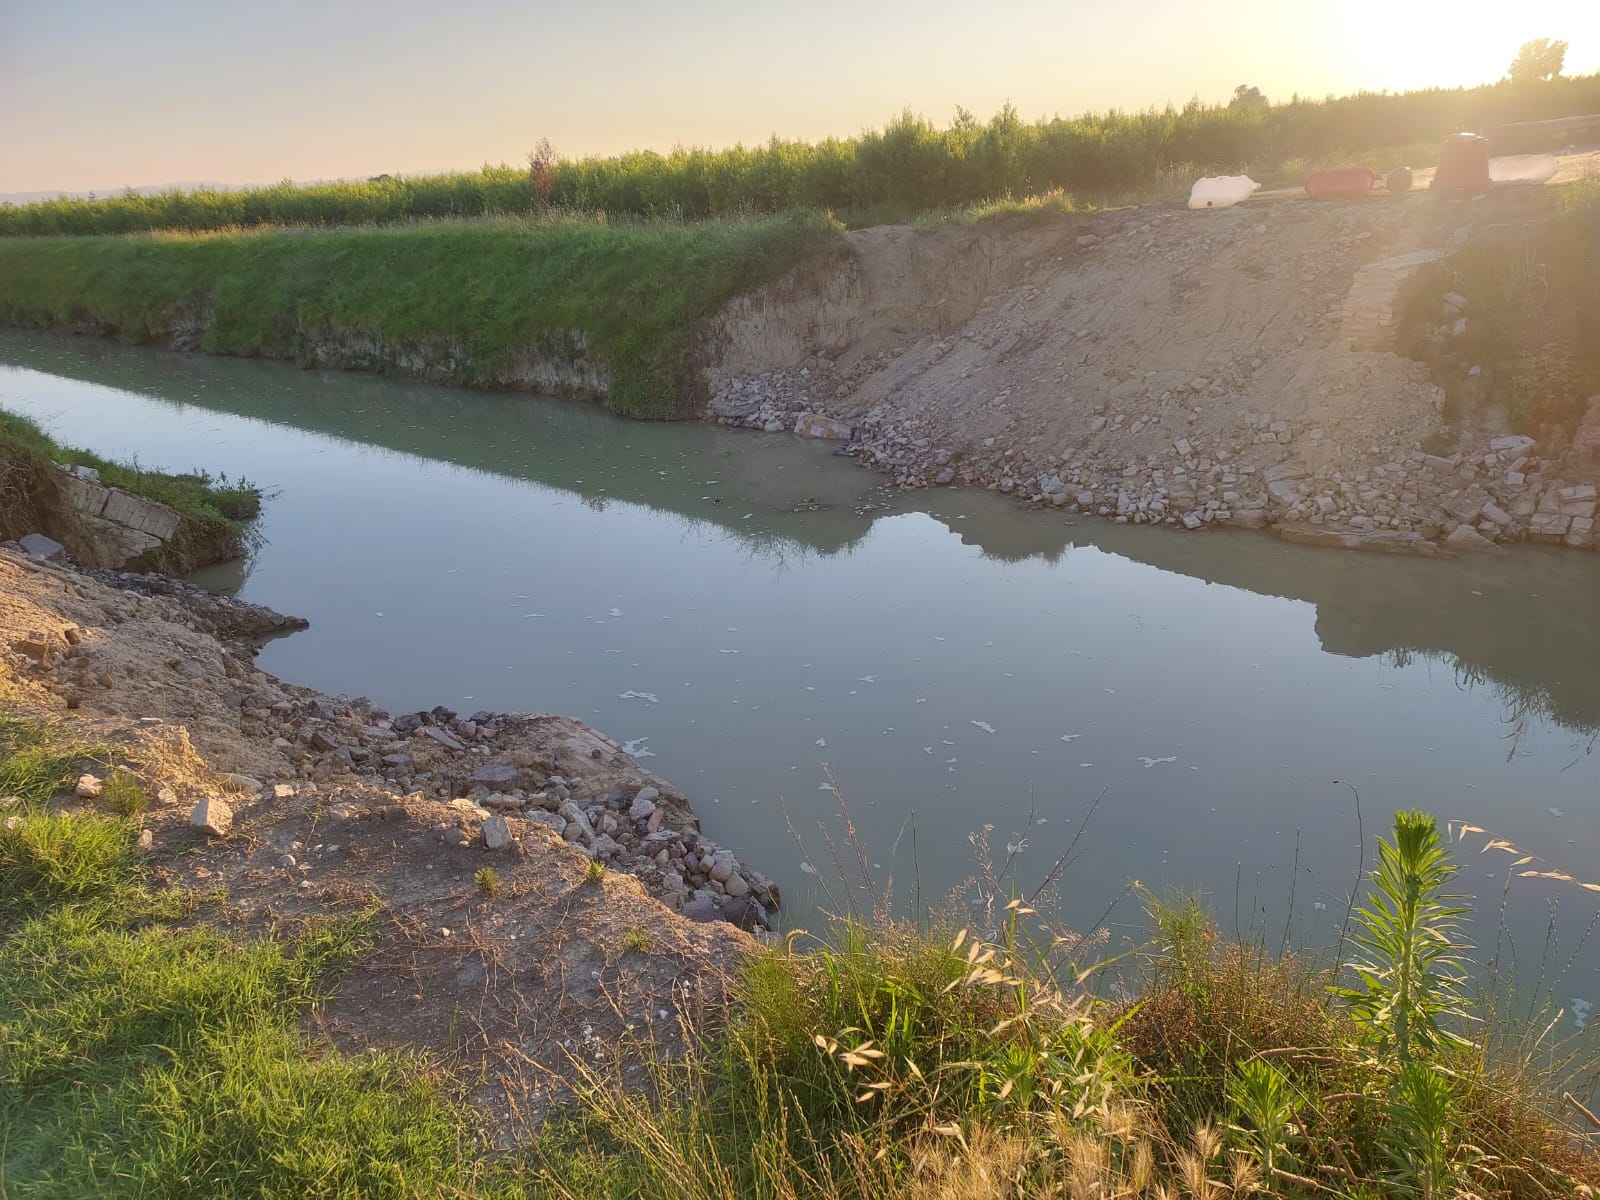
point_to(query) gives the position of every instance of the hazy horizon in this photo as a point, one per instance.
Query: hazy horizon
(100, 97)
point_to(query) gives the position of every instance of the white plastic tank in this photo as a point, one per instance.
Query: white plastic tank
(1221, 191)
(1523, 168)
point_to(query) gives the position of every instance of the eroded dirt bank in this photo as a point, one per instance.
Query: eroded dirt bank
(286, 804)
(1159, 365)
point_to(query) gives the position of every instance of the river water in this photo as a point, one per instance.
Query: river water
(752, 612)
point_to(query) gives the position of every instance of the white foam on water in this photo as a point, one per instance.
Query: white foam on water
(616, 612)
(985, 726)
(650, 696)
(1152, 762)
(635, 748)
(1580, 1011)
(1070, 737)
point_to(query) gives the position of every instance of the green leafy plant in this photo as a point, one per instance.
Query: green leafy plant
(1422, 1136)
(487, 881)
(594, 871)
(1264, 1104)
(1410, 970)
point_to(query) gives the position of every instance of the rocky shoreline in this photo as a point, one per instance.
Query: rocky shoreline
(1498, 492)
(505, 775)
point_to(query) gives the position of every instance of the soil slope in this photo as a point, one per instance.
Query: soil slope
(1152, 365)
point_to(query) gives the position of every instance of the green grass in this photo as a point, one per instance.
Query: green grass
(142, 1057)
(893, 1061)
(145, 1055)
(908, 167)
(486, 292)
(216, 508)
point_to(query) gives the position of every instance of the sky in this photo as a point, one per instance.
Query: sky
(101, 95)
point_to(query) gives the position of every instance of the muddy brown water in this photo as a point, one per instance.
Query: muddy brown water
(752, 612)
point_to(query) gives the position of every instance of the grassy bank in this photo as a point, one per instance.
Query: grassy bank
(143, 1055)
(908, 167)
(1532, 318)
(465, 301)
(216, 512)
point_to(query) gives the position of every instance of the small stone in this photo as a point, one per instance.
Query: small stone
(242, 783)
(89, 787)
(41, 547)
(1468, 539)
(147, 840)
(321, 741)
(440, 736)
(212, 815)
(496, 833)
(703, 909)
(38, 646)
(735, 885)
(286, 860)
(643, 807)
(497, 777)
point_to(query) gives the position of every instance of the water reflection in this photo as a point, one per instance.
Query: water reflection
(1522, 626)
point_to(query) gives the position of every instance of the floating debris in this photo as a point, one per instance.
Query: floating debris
(616, 612)
(1580, 1011)
(1152, 762)
(650, 696)
(1070, 737)
(985, 726)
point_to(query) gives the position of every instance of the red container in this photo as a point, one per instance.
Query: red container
(1344, 183)
(1463, 165)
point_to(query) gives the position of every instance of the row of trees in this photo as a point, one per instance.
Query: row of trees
(908, 166)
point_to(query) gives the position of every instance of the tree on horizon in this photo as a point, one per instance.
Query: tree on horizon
(1536, 60)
